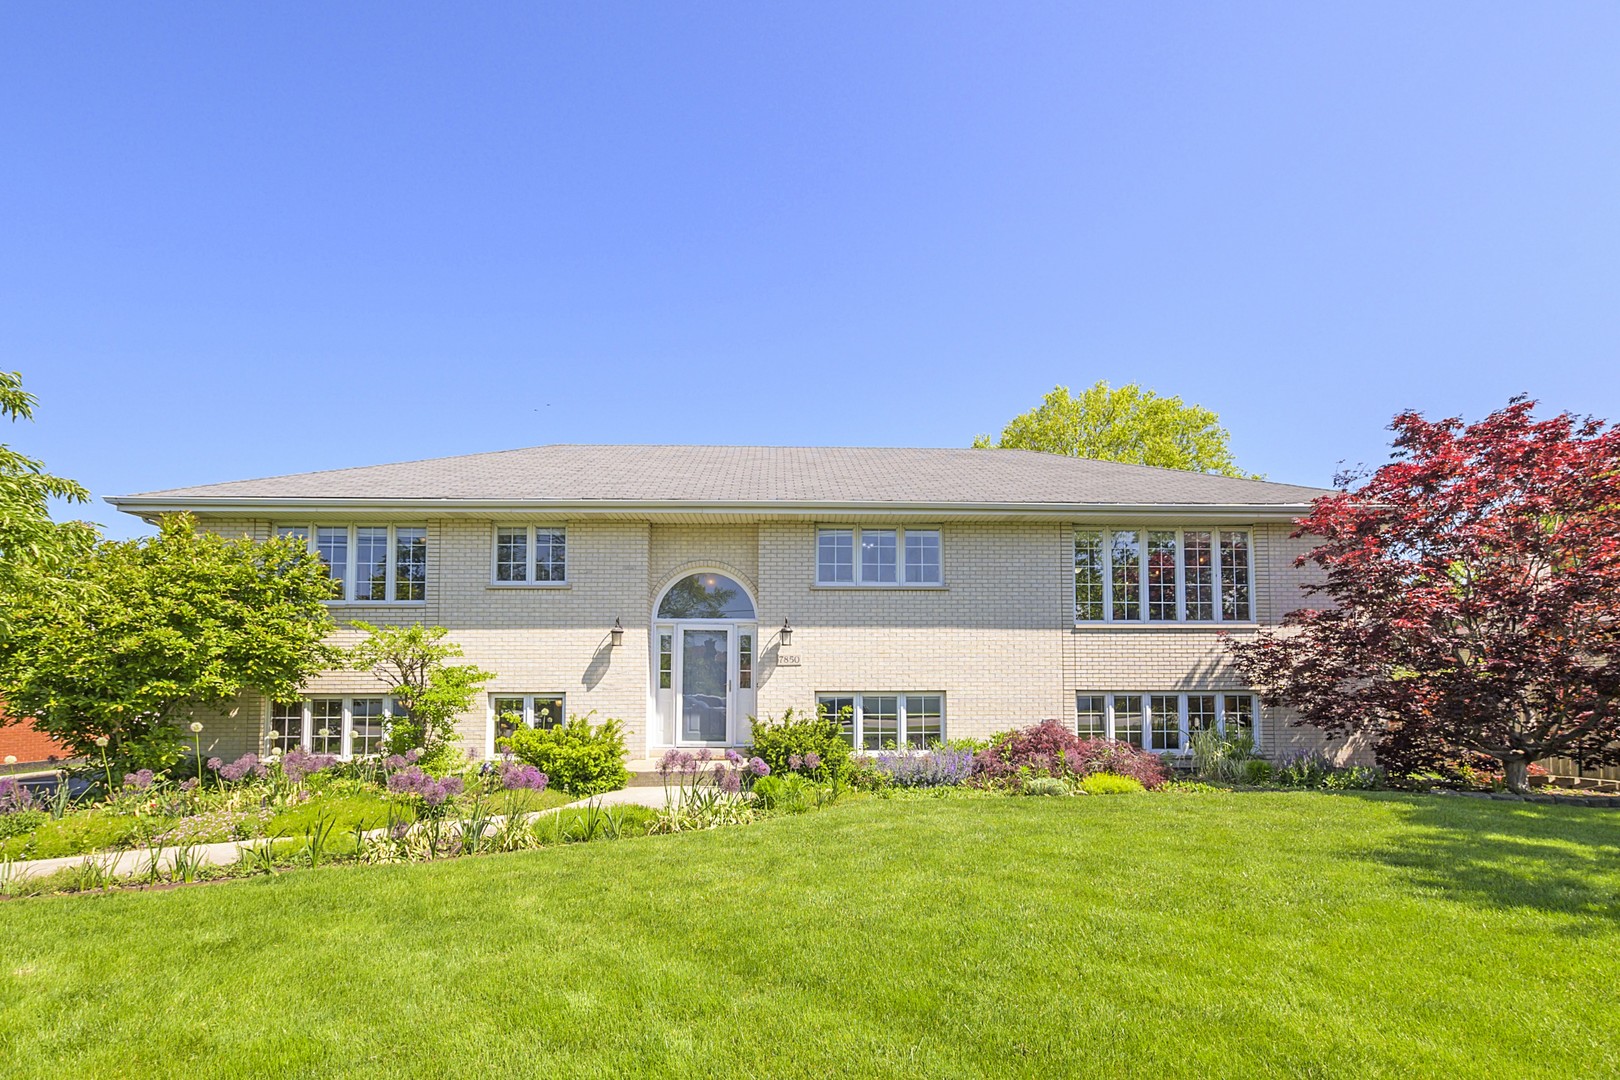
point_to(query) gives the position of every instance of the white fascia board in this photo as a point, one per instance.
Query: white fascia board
(1100, 513)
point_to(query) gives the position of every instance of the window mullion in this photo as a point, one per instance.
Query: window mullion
(307, 733)
(350, 587)
(1215, 564)
(1220, 714)
(1181, 573)
(1108, 575)
(1108, 716)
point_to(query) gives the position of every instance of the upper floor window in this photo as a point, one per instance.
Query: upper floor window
(857, 556)
(372, 564)
(530, 555)
(1163, 575)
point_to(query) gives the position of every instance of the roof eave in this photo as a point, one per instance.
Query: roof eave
(145, 506)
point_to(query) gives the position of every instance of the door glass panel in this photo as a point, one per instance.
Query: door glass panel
(703, 685)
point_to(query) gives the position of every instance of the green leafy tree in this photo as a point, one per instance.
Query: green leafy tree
(410, 662)
(1129, 424)
(30, 542)
(129, 639)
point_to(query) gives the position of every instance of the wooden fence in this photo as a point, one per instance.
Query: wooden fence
(1571, 767)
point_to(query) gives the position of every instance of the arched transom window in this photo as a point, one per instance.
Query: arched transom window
(706, 596)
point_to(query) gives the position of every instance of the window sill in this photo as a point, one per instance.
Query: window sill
(1092, 627)
(375, 603)
(885, 587)
(503, 586)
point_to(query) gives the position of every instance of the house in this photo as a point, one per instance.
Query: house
(920, 594)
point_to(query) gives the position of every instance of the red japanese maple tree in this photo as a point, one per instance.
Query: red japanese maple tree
(1474, 584)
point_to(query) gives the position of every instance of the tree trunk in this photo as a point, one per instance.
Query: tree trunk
(1516, 773)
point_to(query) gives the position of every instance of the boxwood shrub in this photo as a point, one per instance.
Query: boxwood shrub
(576, 757)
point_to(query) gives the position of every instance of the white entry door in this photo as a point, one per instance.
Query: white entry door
(703, 682)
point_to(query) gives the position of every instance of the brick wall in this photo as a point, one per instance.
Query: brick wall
(997, 638)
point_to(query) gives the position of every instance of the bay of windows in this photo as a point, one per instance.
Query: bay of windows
(887, 721)
(1164, 722)
(370, 563)
(345, 726)
(1163, 575)
(877, 557)
(530, 555)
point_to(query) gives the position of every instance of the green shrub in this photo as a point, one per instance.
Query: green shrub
(789, 792)
(575, 756)
(1049, 785)
(1256, 771)
(1355, 778)
(21, 821)
(1109, 784)
(797, 735)
(974, 745)
(1215, 757)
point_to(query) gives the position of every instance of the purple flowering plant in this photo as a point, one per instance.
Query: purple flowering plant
(15, 797)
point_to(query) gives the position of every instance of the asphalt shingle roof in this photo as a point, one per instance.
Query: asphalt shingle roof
(761, 474)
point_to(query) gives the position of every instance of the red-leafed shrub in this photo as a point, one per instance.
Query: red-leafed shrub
(1050, 749)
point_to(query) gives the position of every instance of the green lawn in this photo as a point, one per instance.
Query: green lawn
(1294, 934)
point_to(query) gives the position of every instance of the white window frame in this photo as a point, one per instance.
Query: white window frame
(857, 733)
(351, 555)
(900, 581)
(1106, 536)
(533, 554)
(528, 712)
(1181, 696)
(307, 732)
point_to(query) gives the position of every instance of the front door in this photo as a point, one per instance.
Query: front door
(705, 684)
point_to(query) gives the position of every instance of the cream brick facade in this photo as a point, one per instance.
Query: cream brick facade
(997, 638)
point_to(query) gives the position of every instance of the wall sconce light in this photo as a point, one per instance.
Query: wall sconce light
(787, 633)
(617, 632)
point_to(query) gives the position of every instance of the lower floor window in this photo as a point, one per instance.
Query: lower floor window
(512, 711)
(887, 721)
(1164, 721)
(345, 726)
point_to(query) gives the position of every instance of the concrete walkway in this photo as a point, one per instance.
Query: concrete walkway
(138, 863)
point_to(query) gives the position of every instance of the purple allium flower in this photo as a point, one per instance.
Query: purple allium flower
(705, 754)
(236, 770)
(413, 755)
(518, 777)
(15, 796)
(452, 785)
(730, 781)
(812, 760)
(214, 763)
(733, 757)
(758, 767)
(139, 781)
(297, 764)
(794, 761)
(670, 762)
(188, 784)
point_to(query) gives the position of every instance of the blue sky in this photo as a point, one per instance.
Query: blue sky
(240, 240)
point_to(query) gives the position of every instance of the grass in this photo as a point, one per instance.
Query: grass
(1299, 934)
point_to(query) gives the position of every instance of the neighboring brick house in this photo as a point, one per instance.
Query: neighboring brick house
(930, 593)
(19, 739)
